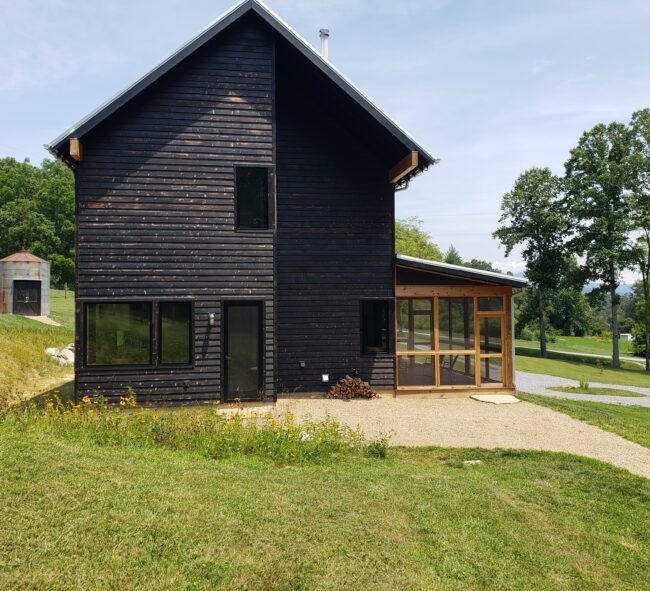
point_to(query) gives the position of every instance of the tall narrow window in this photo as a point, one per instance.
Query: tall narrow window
(374, 326)
(118, 334)
(175, 321)
(252, 197)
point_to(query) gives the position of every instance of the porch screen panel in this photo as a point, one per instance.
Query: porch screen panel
(457, 370)
(456, 321)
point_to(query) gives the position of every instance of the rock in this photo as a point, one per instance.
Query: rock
(63, 357)
(67, 355)
(472, 462)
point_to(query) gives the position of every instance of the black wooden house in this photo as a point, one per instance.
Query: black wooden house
(235, 235)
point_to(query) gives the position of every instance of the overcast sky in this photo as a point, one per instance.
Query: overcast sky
(491, 88)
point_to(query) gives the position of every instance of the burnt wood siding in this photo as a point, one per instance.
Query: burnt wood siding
(155, 208)
(335, 243)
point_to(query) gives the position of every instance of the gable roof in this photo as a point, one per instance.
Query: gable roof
(459, 271)
(57, 147)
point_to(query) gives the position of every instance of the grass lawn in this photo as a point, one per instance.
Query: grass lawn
(78, 516)
(596, 391)
(594, 345)
(578, 370)
(24, 367)
(631, 422)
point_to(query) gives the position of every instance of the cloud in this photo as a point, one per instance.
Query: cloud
(512, 266)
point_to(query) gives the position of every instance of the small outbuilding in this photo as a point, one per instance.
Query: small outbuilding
(24, 285)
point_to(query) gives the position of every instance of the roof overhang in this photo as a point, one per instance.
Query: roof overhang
(59, 147)
(459, 271)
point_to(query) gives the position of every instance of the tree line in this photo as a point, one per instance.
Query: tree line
(37, 214)
(411, 239)
(589, 225)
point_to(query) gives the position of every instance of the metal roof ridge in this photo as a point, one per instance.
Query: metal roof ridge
(211, 30)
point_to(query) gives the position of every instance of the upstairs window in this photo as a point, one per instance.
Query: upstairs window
(374, 326)
(252, 197)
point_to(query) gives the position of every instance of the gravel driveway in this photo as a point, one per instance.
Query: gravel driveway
(535, 383)
(468, 423)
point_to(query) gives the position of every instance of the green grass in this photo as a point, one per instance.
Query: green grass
(593, 345)
(62, 308)
(596, 391)
(583, 370)
(83, 516)
(631, 422)
(24, 367)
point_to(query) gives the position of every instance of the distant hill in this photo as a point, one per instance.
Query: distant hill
(623, 289)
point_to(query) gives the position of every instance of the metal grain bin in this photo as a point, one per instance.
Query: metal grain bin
(24, 285)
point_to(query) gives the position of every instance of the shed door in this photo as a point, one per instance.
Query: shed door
(27, 298)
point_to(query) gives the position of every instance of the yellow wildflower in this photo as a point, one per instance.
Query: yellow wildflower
(86, 399)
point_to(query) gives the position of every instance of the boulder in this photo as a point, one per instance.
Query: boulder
(67, 355)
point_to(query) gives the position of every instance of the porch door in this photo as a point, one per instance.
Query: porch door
(242, 350)
(27, 298)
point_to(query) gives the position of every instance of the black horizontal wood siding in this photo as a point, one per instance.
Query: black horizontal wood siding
(155, 208)
(335, 242)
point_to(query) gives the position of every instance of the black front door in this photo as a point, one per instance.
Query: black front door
(27, 298)
(243, 350)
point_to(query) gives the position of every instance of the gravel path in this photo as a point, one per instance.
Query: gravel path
(468, 423)
(535, 383)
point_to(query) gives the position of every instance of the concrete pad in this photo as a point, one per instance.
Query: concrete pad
(495, 398)
(44, 320)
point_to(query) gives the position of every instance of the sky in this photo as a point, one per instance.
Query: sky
(490, 88)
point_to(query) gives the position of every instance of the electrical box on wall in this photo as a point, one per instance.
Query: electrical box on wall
(325, 378)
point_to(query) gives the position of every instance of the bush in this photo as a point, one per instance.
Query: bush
(378, 448)
(210, 432)
(526, 334)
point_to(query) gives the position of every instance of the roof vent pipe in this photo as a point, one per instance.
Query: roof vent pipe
(325, 43)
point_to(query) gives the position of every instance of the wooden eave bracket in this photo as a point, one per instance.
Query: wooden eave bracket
(76, 149)
(403, 167)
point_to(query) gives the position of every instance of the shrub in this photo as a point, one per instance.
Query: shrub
(208, 431)
(526, 334)
(584, 384)
(377, 448)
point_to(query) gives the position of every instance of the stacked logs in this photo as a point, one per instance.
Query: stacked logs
(351, 388)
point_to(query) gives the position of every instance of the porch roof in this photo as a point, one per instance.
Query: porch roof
(459, 271)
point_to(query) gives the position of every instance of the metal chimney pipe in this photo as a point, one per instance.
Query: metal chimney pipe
(325, 43)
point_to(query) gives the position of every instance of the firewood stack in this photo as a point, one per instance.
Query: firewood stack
(351, 388)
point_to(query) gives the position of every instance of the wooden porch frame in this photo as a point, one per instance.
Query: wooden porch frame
(434, 292)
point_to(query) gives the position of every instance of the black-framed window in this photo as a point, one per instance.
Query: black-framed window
(175, 332)
(252, 197)
(374, 326)
(118, 333)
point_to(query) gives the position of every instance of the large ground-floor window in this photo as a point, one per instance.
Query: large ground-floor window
(451, 342)
(122, 333)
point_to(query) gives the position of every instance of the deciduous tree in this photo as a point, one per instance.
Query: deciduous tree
(598, 187)
(412, 240)
(532, 217)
